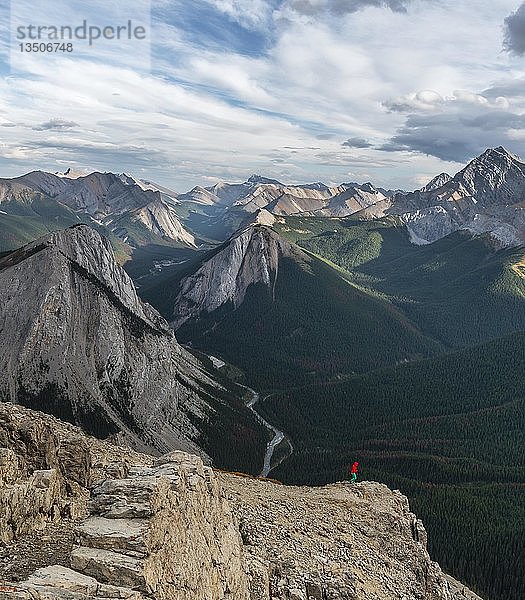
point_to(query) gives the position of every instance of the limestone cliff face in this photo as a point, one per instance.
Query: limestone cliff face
(172, 529)
(76, 341)
(161, 219)
(251, 256)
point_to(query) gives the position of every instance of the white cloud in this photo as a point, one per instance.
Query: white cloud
(372, 76)
(249, 13)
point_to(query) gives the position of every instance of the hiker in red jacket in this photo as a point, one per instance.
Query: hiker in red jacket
(353, 472)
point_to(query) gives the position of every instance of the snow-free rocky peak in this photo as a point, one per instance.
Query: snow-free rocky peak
(436, 182)
(251, 256)
(77, 342)
(486, 198)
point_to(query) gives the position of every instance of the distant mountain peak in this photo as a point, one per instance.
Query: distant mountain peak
(437, 182)
(497, 155)
(254, 179)
(71, 173)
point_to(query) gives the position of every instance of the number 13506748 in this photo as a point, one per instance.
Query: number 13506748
(46, 47)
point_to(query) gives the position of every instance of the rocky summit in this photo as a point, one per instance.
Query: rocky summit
(170, 528)
(76, 341)
(250, 257)
(486, 197)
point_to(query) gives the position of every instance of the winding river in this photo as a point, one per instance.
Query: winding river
(278, 436)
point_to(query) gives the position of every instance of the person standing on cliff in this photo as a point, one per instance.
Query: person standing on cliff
(353, 472)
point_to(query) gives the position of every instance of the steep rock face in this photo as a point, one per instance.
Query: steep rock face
(76, 341)
(494, 177)
(161, 219)
(166, 194)
(251, 256)
(164, 532)
(96, 194)
(287, 200)
(199, 195)
(46, 467)
(352, 200)
(485, 197)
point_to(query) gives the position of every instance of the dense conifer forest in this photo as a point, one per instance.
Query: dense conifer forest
(409, 359)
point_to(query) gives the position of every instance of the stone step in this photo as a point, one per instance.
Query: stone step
(128, 498)
(127, 536)
(60, 583)
(110, 567)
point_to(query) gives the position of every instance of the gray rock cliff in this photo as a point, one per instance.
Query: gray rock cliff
(76, 341)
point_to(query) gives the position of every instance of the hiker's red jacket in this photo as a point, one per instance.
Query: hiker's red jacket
(354, 468)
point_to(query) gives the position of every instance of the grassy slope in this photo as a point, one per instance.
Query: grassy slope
(29, 221)
(457, 290)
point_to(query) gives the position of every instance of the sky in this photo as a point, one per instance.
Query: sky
(388, 91)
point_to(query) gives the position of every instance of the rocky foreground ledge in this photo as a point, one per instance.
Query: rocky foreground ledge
(81, 518)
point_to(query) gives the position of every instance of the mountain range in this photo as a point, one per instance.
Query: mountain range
(373, 324)
(484, 197)
(121, 208)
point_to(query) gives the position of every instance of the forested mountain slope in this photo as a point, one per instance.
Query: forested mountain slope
(448, 431)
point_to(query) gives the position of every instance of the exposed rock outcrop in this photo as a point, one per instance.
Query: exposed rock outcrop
(161, 219)
(165, 532)
(486, 197)
(172, 529)
(341, 541)
(46, 468)
(251, 256)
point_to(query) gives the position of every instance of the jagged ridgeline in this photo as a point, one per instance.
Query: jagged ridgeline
(76, 342)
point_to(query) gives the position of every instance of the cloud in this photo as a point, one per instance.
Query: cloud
(461, 127)
(342, 7)
(236, 81)
(377, 161)
(423, 100)
(251, 14)
(513, 88)
(514, 32)
(56, 125)
(357, 142)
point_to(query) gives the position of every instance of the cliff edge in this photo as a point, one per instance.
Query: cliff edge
(81, 518)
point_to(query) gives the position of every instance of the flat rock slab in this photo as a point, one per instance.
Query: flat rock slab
(127, 536)
(108, 566)
(65, 584)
